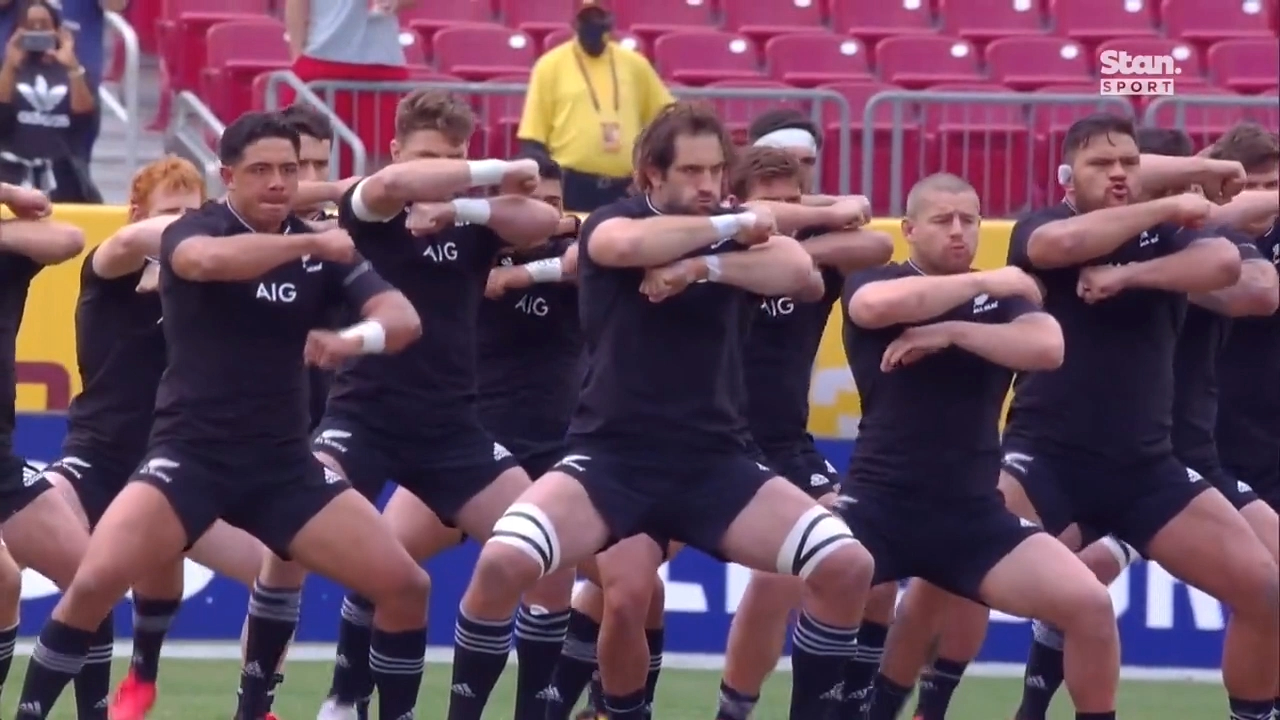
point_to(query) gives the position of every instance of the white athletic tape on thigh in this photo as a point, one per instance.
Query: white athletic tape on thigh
(1121, 551)
(815, 535)
(526, 527)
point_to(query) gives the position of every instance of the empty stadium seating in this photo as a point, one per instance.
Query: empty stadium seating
(1024, 63)
(763, 20)
(813, 58)
(981, 20)
(1099, 20)
(479, 52)
(699, 57)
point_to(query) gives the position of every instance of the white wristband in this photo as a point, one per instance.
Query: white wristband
(475, 211)
(546, 271)
(486, 172)
(372, 336)
(713, 267)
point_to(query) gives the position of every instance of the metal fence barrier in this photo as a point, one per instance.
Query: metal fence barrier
(369, 109)
(1208, 116)
(125, 108)
(344, 136)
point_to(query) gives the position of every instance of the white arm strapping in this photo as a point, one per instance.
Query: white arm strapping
(372, 336)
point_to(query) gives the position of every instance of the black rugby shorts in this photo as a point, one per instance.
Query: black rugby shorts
(804, 466)
(445, 468)
(953, 542)
(20, 484)
(1132, 501)
(692, 499)
(1235, 490)
(270, 494)
(96, 477)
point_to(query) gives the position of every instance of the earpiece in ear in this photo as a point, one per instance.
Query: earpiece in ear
(1064, 175)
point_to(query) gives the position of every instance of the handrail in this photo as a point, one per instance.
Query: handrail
(188, 106)
(127, 111)
(342, 132)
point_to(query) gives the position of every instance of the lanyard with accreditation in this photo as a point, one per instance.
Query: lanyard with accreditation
(610, 130)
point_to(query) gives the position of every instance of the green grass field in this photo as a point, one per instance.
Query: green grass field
(205, 690)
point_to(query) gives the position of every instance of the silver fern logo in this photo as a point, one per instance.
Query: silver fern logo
(44, 100)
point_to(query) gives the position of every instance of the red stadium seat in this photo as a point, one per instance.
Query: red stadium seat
(761, 20)
(428, 18)
(1098, 20)
(236, 53)
(1029, 62)
(985, 141)
(415, 51)
(881, 132)
(628, 40)
(697, 58)
(738, 113)
(1212, 20)
(1245, 65)
(982, 20)
(810, 59)
(537, 18)
(881, 19)
(1188, 67)
(651, 18)
(182, 27)
(478, 52)
(917, 61)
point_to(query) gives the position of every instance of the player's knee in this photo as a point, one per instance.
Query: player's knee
(403, 595)
(627, 599)
(1087, 611)
(277, 572)
(821, 548)
(657, 603)
(882, 601)
(524, 531)
(1256, 598)
(10, 580)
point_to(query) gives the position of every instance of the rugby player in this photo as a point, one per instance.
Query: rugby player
(1168, 168)
(655, 442)
(242, 284)
(413, 417)
(30, 517)
(779, 357)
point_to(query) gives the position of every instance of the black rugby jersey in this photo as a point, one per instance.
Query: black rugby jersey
(1195, 374)
(236, 374)
(431, 383)
(1248, 427)
(932, 425)
(780, 351)
(529, 358)
(121, 355)
(16, 272)
(1113, 395)
(660, 377)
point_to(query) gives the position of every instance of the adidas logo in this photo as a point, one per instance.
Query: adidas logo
(1036, 682)
(342, 661)
(462, 690)
(31, 709)
(44, 100)
(835, 694)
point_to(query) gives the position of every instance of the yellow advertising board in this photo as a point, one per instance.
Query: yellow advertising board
(47, 377)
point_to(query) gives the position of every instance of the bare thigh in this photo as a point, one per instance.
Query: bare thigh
(419, 529)
(1041, 578)
(49, 537)
(480, 513)
(230, 551)
(1263, 520)
(755, 536)
(577, 529)
(69, 494)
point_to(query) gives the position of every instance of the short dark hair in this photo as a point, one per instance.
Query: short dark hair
(436, 110)
(251, 127)
(656, 146)
(1092, 126)
(309, 121)
(1251, 145)
(1170, 142)
(782, 119)
(548, 169)
(761, 164)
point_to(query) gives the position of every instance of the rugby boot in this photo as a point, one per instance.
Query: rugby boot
(133, 699)
(331, 710)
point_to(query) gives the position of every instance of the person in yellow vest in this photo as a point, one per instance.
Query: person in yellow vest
(588, 100)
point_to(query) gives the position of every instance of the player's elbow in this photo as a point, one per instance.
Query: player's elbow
(877, 247)
(404, 328)
(1055, 245)
(65, 241)
(814, 287)
(793, 266)
(195, 261)
(523, 221)
(871, 309)
(617, 243)
(47, 242)
(1220, 263)
(569, 261)
(1046, 346)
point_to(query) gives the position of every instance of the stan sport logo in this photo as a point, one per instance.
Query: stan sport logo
(1127, 74)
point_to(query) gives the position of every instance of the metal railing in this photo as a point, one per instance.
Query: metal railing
(1208, 116)
(192, 131)
(499, 106)
(343, 134)
(125, 107)
(1006, 144)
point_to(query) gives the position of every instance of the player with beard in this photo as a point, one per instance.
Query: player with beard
(413, 417)
(40, 530)
(655, 444)
(778, 361)
(242, 282)
(1169, 169)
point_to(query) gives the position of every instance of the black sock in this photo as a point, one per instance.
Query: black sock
(1277, 710)
(93, 684)
(859, 671)
(631, 706)
(276, 681)
(574, 667)
(886, 699)
(1250, 709)
(352, 681)
(539, 637)
(735, 705)
(480, 651)
(936, 688)
(397, 661)
(595, 692)
(151, 621)
(1044, 672)
(819, 653)
(58, 656)
(8, 640)
(273, 617)
(1096, 716)
(656, 639)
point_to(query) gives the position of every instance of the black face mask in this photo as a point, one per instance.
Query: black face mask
(591, 36)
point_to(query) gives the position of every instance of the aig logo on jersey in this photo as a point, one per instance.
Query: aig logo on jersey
(778, 306)
(533, 305)
(440, 252)
(277, 292)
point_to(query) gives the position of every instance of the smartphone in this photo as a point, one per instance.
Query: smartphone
(38, 42)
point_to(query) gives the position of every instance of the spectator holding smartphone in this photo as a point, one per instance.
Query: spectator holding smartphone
(46, 107)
